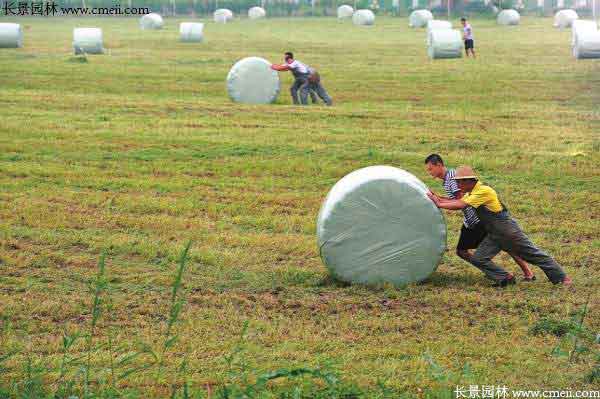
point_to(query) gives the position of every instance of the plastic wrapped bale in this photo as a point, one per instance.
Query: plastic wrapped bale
(191, 32)
(11, 35)
(363, 17)
(252, 81)
(151, 21)
(256, 13)
(508, 17)
(580, 26)
(565, 18)
(223, 15)
(377, 225)
(345, 11)
(87, 41)
(437, 24)
(419, 18)
(444, 43)
(587, 46)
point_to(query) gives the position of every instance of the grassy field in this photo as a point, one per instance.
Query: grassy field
(136, 152)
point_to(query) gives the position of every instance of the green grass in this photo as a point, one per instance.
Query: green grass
(139, 151)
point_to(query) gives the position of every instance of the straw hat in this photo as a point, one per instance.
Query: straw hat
(464, 172)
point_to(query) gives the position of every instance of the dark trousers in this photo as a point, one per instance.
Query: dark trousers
(301, 85)
(317, 87)
(505, 234)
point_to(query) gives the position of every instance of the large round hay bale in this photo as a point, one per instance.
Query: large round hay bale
(378, 226)
(565, 18)
(345, 11)
(437, 24)
(580, 26)
(256, 13)
(252, 81)
(444, 43)
(87, 41)
(11, 35)
(223, 15)
(587, 45)
(363, 17)
(508, 17)
(419, 18)
(191, 32)
(151, 21)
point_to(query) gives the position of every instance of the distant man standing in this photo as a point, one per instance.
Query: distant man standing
(305, 80)
(472, 231)
(503, 232)
(468, 37)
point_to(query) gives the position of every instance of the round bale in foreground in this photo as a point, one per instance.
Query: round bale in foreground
(11, 35)
(151, 21)
(252, 81)
(508, 17)
(437, 24)
(580, 26)
(565, 18)
(222, 15)
(363, 17)
(444, 43)
(419, 18)
(587, 45)
(378, 226)
(345, 11)
(87, 41)
(256, 13)
(191, 32)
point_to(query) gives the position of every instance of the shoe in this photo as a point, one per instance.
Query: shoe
(507, 281)
(567, 282)
(529, 278)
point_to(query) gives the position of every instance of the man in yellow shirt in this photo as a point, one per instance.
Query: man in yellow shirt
(504, 234)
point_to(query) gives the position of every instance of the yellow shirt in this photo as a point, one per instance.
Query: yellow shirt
(483, 195)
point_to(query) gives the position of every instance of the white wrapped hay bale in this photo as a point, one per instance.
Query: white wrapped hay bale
(191, 32)
(565, 18)
(508, 17)
(377, 225)
(223, 15)
(437, 24)
(580, 26)
(587, 46)
(151, 21)
(252, 81)
(256, 13)
(345, 11)
(444, 43)
(11, 35)
(87, 41)
(419, 18)
(363, 17)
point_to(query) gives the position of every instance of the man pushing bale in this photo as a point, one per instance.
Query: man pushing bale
(306, 80)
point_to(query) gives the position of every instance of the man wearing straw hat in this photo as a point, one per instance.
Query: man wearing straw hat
(504, 234)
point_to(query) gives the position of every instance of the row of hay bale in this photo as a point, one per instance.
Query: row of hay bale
(442, 40)
(222, 15)
(585, 37)
(359, 17)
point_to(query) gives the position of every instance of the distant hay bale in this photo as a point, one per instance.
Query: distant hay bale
(508, 17)
(587, 45)
(363, 17)
(580, 26)
(252, 81)
(256, 13)
(151, 21)
(345, 11)
(565, 18)
(87, 41)
(11, 35)
(223, 15)
(444, 43)
(377, 225)
(191, 32)
(419, 18)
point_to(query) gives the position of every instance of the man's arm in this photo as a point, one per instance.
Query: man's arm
(449, 204)
(280, 68)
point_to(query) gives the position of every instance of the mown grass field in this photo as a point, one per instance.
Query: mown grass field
(140, 150)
